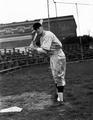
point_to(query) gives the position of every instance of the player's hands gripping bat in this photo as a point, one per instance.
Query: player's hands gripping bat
(32, 44)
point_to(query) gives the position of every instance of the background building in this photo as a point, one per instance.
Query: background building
(18, 34)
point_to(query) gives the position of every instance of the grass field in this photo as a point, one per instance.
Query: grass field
(33, 89)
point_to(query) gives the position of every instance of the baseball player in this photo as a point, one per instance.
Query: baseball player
(50, 44)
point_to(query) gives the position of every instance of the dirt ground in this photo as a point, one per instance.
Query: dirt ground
(33, 89)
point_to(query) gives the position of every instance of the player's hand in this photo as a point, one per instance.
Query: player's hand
(33, 50)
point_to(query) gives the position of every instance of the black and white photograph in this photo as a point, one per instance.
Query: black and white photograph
(46, 60)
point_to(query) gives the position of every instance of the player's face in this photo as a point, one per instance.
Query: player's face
(39, 30)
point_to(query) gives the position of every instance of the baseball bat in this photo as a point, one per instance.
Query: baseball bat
(34, 38)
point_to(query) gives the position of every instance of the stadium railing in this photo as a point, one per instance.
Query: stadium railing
(14, 59)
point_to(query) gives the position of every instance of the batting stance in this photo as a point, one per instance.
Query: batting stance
(49, 44)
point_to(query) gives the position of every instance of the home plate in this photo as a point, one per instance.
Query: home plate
(11, 109)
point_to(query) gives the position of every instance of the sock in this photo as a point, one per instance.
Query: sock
(60, 90)
(60, 96)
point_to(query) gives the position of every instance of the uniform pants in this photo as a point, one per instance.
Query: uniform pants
(58, 68)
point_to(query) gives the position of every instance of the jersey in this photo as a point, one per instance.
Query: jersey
(51, 43)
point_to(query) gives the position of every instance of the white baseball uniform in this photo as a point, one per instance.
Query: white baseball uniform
(53, 46)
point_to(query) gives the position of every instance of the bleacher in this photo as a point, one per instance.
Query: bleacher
(14, 58)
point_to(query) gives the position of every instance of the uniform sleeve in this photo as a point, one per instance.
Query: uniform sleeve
(47, 43)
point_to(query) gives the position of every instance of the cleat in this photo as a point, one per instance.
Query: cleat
(61, 103)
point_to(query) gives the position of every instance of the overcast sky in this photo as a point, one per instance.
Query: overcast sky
(21, 10)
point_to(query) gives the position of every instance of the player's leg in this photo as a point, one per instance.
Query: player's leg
(52, 66)
(60, 78)
(58, 68)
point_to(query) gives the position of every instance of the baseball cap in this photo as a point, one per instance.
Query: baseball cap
(36, 25)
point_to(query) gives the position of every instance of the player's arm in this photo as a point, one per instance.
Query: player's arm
(40, 50)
